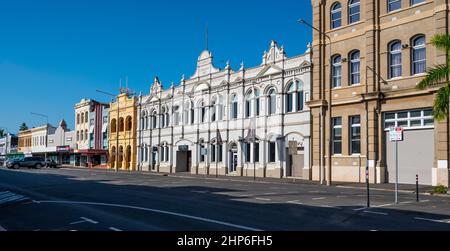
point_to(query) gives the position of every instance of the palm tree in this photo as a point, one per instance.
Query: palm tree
(438, 75)
(23, 127)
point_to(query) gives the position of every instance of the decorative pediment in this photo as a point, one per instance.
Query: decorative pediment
(205, 65)
(305, 64)
(156, 87)
(275, 54)
(269, 70)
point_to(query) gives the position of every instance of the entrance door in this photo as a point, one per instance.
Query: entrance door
(416, 157)
(184, 161)
(233, 162)
(154, 154)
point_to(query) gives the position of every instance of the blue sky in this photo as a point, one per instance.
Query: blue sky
(53, 53)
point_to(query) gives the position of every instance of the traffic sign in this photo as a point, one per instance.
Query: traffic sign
(396, 134)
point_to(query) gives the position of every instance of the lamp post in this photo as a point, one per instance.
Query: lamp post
(117, 129)
(330, 117)
(46, 130)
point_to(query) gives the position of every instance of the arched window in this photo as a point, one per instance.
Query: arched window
(86, 135)
(186, 113)
(192, 113)
(202, 151)
(78, 136)
(129, 124)
(336, 15)
(394, 5)
(128, 157)
(257, 101)
(163, 120)
(294, 97)
(354, 11)
(86, 117)
(272, 102)
(121, 125)
(202, 112)
(113, 156)
(78, 119)
(354, 67)
(337, 71)
(154, 119)
(248, 104)
(214, 110)
(419, 55)
(234, 107)
(143, 120)
(120, 158)
(82, 118)
(395, 59)
(113, 125)
(176, 115)
(81, 135)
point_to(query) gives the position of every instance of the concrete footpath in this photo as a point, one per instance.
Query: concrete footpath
(403, 188)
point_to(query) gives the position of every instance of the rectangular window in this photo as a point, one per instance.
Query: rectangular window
(300, 101)
(355, 135)
(247, 109)
(202, 156)
(337, 76)
(220, 152)
(289, 101)
(272, 149)
(413, 119)
(234, 113)
(167, 154)
(247, 152)
(394, 5)
(258, 107)
(256, 153)
(213, 153)
(337, 135)
(413, 2)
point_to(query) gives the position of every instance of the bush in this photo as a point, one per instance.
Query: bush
(440, 190)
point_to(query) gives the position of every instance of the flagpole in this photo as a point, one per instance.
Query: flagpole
(217, 134)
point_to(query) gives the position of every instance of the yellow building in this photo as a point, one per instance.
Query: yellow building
(122, 131)
(25, 138)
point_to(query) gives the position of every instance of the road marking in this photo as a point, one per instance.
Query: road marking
(2, 229)
(327, 206)
(270, 194)
(157, 211)
(7, 197)
(425, 201)
(295, 202)
(115, 229)
(378, 213)
(385, 205)
(360, 209)
(84, 219)
(342, 196)
(196, 191)
(321, 198)
(315, 192)
(407, 202)
(434, 220)
(263, 199)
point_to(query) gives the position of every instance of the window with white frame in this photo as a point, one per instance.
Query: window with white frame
(414, 2)
(355, 67)
(337, 71)
(337, 136)
(419, 55)
(395, 59)
(413, 119)
(336, 15)
(394, 5)
(354, 11)
(355, 135)
(294, 98)
(176, 115)
(272, 102)
(272, 152)
(234, 107)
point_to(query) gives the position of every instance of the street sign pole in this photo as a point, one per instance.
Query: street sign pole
(396, 172)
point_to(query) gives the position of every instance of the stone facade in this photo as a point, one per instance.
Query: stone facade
(378, 54)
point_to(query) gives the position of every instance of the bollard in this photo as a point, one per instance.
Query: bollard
(417, 188)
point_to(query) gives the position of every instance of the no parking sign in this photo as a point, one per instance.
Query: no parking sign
(396, 134)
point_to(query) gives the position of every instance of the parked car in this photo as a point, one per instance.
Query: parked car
(30, 162)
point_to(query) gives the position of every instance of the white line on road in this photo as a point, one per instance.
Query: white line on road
(263, 199)
(342, 196)
(407, 202)
(89, 220)
(196, 191)
(295, 202)
(115, 229)
(327, 206)
(360, 209)
(156, 211)
(378, 213)
(321, 198)
(434, 220)
(270, 194)
(2, 229)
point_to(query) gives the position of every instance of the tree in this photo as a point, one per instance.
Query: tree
(23, 127)
(2, 133)
(439, 75)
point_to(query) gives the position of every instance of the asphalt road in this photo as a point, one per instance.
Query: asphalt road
(95, 200)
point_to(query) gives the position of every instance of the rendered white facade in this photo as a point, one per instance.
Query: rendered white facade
(178, 127)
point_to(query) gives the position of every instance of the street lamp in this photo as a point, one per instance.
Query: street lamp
(330, 117)
(117, 129)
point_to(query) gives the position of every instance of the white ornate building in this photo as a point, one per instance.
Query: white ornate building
(252, 122)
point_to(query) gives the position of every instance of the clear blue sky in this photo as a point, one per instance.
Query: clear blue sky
(53, 53)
